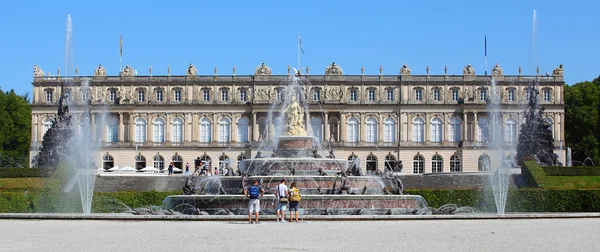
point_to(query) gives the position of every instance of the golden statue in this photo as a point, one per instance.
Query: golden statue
(295, 119)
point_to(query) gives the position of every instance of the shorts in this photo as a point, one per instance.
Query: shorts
(254, 206)
(294, 206)
(281, 206)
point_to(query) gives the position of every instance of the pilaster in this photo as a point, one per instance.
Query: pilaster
(234, 128)
(215, 128)
(362, 126)
(342, 127)
(121, 128)
(465, 126)
(326, 128)
(475, 127)
(254, 127)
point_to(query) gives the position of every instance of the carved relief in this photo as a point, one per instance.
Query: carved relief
(497, 70)
(263, 70)
(262, 93)
(333, 69)
(127, 71)
(100, 71)
(334, 93)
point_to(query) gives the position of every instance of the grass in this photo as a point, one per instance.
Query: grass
(536, 175)
(22, 184)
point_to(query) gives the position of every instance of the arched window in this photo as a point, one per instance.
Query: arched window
(418, 130)
(205, 130)
(436, 130)
(140, 130)
(159, 130)
(436, 163)
(389, 130)
(510, 134)
(224, 130)
(112, 130)
(389, 162)
(240, 158)
(455, 130)
(371, 130)
(353, 130)
(371, 163)
(242, 130)
(159, 162)
(418, 164)
(483, 130)
(316, 124)
(455, 165)
(484, 163)
(177, 161)
(108, 162)
(177, 131)
(47, 125)
(140, 162)
(206, 162)
(223, 162)
(353, 159)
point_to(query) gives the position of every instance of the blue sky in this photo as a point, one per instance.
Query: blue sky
(246, 33)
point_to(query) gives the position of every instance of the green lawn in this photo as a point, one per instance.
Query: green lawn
(536, 176)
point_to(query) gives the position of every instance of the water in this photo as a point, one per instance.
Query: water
(534, 41)
(569, 158)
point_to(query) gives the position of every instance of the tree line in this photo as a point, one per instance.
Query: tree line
(582, 119)
(15, 129)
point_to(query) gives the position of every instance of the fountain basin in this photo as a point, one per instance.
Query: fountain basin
(312, 204)
(297, 166)
(294, 146)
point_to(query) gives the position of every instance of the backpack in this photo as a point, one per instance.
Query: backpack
(254, 192)
(295, 195)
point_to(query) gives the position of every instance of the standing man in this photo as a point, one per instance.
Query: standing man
(170, 169)
(254, 192)
(187, 169)
(282, 195)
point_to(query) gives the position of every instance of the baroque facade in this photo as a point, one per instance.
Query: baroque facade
(433, 123)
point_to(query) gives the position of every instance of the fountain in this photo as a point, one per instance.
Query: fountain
(327, 185)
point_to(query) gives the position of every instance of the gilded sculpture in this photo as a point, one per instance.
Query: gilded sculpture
(295, 119)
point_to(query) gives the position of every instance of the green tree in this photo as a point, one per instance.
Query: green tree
(582, 116)
(15, 129)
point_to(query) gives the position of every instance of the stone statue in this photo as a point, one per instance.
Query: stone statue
(397, 166)
(380, 70)
(558, 71)
(263, 70)
(468, 70)
(405, 70)
(127, 71)
(331, 155)
(188, 188)
(169, 70)
(295, 119)
(234, 70)
(307, 69)
(427, 70)
(520, 70)
(333, 69)
(191, 70)
(445, 70)
(100, 71)
(37, 72)
(497, 70)
(150, 70)
(216, 70)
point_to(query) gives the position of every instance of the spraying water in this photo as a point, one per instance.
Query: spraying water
(534, 40)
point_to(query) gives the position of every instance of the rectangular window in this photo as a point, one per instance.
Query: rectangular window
(547, 95)
(224, 95)
(418, 136)
(455, 94)
(176, 135)
(243, 96)
(419, 95)
(353, 95)
(511, 95)
(177, 95)
(317, 95)
(436, 95)
(455, 132)
(278, 94)
(390, 94)
(206, 95)
(371, 133)
(483, 94)
(112, 135)
(371, 94)
(140, 95)
(48, 96)
(159, 95)
(113, 95)
(84, 95)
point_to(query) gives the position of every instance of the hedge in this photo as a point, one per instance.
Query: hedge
(24, 172)
(521, 200)
(535, 176)
(572, 171)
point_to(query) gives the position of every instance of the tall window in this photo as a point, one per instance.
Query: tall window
(483, 130)
(484, 163)
(436, 164)
(206, 95)
(279, 94)
(353, 130)
(455, 130)
(140, 130)
(224, 95)
(242, 130)
(112, 94)
(389, 130)
(140, 95)
(49, 96)
(112, 130)
(436, 130)
(371, 94)
(353, 94)
(418, 94)
(418, 130)
(47, 125)
(159, 95)
(436, 95)
(418, 164)
(177, 131)
(371, 130)
(510, 134)
(317, 94)
(455, 165)
(243, 95)
(224, 130)
(205, 130)
(177, 95)
(316, 124)
(455, 94)
(547, 95)
(84, 95)
(483, 94)
(159, 130)
(511, 95)
(159, 162)
(390, 94)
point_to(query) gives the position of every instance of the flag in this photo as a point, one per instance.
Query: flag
(121, 48)
(485, 44)
(300, 43)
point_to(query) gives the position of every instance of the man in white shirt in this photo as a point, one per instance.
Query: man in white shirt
(282, 195)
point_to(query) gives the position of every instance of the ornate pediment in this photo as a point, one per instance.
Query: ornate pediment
(100, 71)
(497, 70)
(263, 70)
(333, 69)
(405, 70)
(468, 70)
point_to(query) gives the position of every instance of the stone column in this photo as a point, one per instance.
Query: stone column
(409, 132)
(342, 127)
(465, 124)
(103, 130)
(254, 128)
(562, 127)
(150, 129)
(427, 127)
(475, 128)
(187, 133)
(445, 130)
(233, 124)
(271, 131)
(121, 128)
(168, 128)
(381, 129)
(194, 124)
(131, 128)
(34, 137)
(361, 124)
(215, 128)
(327, 134)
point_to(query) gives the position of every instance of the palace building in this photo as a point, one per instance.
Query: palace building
(433, 123)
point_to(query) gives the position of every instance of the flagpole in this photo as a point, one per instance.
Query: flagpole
(298, 51)
(121, 54)
(485, 52)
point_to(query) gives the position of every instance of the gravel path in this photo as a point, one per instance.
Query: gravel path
(413, 235)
